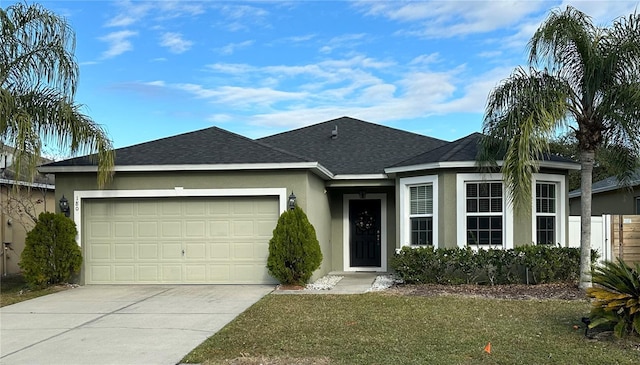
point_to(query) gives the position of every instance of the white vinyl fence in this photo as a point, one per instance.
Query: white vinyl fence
(600, 235)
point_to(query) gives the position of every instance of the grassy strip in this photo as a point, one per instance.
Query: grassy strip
(390, 329)
(13, 289)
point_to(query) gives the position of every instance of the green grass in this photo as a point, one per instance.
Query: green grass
(391, 329)
(13, 289)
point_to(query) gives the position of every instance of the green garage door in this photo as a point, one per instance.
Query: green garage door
(178, 240)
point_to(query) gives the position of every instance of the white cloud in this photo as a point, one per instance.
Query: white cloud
(118, 43)
(231, 48)
(343, 41)
(175, 43)
(444, 19)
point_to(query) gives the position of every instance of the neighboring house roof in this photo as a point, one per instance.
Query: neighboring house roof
(359, 147)
(609, 184)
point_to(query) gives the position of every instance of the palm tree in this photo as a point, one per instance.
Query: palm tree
(38, 76)
(588, 80)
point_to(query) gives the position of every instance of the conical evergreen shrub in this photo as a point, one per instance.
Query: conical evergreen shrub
(294, 250)
(51, 254)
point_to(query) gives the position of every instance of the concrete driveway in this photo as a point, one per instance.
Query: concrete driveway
(131, 324)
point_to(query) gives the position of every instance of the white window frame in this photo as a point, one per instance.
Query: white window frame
(461, 208)
(561, 197)
(405, 207)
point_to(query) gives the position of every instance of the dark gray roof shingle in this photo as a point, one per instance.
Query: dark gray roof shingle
(360, 147)
(207, 146)
(463, 149)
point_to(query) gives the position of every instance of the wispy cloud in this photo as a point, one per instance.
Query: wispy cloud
(175, 43)
(118, 43)
(343, 41)
(242, 17)
(444, 19)
(231, 48)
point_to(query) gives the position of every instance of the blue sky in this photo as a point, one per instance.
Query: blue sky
(152, 69)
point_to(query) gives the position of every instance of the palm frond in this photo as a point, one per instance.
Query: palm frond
(521, 116)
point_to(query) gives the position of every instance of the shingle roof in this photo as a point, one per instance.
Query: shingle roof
(207, 146)
(608, 184)
(463, 149)
(360, 147)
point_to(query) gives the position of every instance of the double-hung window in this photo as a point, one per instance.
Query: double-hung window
(421, 214)
(484, 213)
(549, 223)
(419, 207)
(546, 213)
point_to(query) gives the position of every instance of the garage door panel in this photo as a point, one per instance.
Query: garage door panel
(220, 250)
(100, 251)
(171, 273)
(219, 228)
(124, 209)
(148, 273)
(148, 251)
(242, 228)
(123, 229)
(99, 274)
(178, 240)
(124, 273)
(196, 251)
(171, 250)
(147, 229)
(195, 229)
(125, 251)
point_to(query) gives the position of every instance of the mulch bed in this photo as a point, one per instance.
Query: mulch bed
(560, 291)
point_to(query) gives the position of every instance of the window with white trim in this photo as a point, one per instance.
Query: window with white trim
(549, 209)
(421, 214)
(546, 222)
(484, 213)
(419, 211)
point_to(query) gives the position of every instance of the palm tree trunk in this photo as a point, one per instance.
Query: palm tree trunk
(586, 163)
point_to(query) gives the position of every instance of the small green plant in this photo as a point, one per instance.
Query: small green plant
(51, 254)
(616, 297)
(294, 250)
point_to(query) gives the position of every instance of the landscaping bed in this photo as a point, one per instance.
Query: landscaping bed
(559, 291)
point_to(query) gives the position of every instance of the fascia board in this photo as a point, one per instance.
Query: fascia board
(320, 170)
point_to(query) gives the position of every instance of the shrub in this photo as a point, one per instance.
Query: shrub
(294, 251)
(544, 264)
(51, 254)
(616, 297)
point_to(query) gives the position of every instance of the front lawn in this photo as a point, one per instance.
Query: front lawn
(13, 289)
(380, 328)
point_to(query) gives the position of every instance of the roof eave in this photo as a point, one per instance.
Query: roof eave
(314, 166)
(474, 164)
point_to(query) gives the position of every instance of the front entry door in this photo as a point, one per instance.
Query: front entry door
(364, 239)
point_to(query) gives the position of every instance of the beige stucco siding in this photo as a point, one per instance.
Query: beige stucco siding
(319, 213)
(15, 223)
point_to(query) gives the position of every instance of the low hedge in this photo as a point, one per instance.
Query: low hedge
(525, 264)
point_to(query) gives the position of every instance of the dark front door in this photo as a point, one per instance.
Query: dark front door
(364, 238)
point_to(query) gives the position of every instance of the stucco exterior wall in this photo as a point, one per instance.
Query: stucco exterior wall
(319, 213)
(14, 224)
(619, 201)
